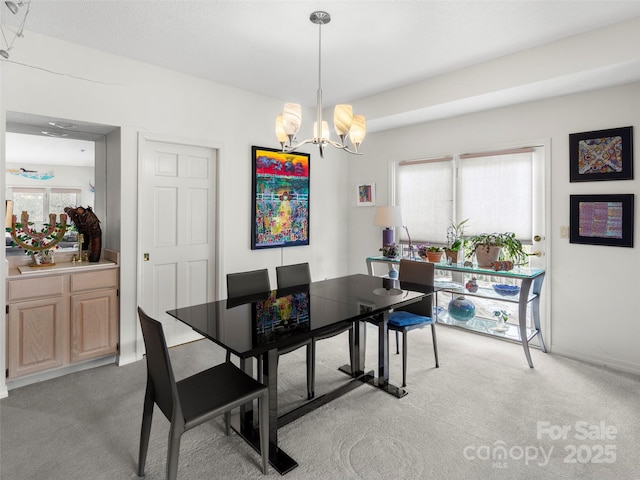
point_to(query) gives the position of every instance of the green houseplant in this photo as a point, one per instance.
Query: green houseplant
(455, 240)
(391, 250)
(503, 246)
(430, 252)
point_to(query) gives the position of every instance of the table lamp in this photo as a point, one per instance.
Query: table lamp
(388, 217)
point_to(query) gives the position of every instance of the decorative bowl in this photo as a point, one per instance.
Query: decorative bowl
(506, 290)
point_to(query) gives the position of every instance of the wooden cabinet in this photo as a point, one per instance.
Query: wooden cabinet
(61, 319)
(38, 336)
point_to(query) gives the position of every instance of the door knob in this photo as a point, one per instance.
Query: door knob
(536, 253)
(146, 257)
(537, 238)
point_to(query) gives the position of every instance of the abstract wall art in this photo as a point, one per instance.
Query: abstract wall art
(280, 198)
(601, 155)
(602, 219)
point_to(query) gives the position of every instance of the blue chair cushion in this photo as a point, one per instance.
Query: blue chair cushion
(401, 318)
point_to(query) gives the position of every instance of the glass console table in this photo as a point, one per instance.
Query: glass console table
(453, 279)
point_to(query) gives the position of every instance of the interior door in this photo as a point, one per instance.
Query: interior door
(177, 216)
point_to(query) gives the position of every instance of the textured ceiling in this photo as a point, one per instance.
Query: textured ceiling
(271, 47)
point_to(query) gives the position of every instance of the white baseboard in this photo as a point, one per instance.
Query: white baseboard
(58, 372)
(597, 360)
(127, 359)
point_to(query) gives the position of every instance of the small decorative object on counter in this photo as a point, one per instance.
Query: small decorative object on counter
(502, 316)
(40, 245)
(461, 309)
(472, 285)
(87, 224)
(506, 290)
(468, 264)
(502, 265)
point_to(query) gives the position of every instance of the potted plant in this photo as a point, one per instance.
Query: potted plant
(430, 253)
(391, 250)
(489, 247)
(455, 240)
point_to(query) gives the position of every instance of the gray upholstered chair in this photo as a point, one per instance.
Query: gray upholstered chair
(299, 274)
(194, 400)
(245, 284)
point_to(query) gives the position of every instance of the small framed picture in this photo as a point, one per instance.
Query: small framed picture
(602, 219)
(601, 155)
(366, 194)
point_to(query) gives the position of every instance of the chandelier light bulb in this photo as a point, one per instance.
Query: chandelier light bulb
(281, 135)
(291, 118)
(322, 136)
(358, 130)
(342, 119)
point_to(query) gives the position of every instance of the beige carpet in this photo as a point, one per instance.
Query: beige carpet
(483, 415)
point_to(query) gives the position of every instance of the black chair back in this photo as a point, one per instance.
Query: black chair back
(422, 273)
(293, 275)
(243, 284)
(159, 365)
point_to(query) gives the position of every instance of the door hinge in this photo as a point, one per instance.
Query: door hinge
(7, 309)
(6, 373)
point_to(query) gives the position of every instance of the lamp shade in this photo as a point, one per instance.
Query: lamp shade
(388, 217)
(358, 130)
(280, 133)
(342, 119)
(324, 134)
(291, 118)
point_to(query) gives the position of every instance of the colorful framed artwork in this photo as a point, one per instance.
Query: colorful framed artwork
(280, 198)
(602, 219)
(366, 194)
(601, 155)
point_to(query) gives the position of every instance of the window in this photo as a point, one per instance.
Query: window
(40, 202)
(495, 190)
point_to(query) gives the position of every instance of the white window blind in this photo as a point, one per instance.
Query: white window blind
(494, 190)
(496, 194)
(424, 192)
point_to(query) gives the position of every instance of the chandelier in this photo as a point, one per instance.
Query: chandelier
(345, 122)
(14, 8)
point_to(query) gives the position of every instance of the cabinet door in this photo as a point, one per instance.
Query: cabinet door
(94, 325)
(38, 336)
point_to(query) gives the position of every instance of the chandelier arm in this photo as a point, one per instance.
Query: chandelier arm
(291, 148)
(343, 147)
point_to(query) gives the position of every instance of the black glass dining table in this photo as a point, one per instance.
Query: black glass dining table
(260, 325)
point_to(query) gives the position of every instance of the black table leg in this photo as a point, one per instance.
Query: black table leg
(382, 381)
(278, 459)
(359, 349)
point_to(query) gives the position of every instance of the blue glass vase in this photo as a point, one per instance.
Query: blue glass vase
(461, 309)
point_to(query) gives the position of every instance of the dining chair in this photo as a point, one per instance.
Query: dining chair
(415, 315)
(243, 284)
(194, 400)
(298, 274)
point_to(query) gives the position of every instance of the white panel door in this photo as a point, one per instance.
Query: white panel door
(177, 215)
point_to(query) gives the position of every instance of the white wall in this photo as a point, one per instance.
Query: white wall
(593, 289)
(64, 177)
(88, 85)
